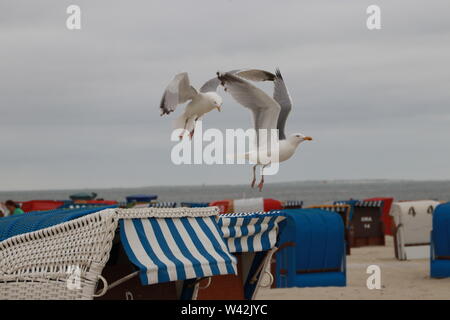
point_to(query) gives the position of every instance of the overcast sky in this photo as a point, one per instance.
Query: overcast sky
(81, 108)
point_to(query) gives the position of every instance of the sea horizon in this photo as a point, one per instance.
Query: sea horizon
(309, 191)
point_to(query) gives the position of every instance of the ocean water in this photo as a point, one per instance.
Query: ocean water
(311, 192)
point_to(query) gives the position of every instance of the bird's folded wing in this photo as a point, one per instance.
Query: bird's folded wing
(177, 92)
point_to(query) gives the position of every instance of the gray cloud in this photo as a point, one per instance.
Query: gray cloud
(80, 108)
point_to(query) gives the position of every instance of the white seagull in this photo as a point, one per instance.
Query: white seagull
(180, 91)
(268, 113)
(201, 102)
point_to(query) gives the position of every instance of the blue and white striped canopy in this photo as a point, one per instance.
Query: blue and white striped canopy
(169, 249)
(250, 232)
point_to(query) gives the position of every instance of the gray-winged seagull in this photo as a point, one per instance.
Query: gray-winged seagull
(268, 113)
(180, 91)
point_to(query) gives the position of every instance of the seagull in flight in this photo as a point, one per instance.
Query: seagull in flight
(268, 113)
(201, 102)
(180, 91)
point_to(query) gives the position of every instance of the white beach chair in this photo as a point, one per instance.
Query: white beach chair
(412, 227)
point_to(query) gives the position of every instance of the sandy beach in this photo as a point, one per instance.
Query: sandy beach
(404, 280)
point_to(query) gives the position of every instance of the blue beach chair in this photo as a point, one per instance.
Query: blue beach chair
(141, 198)
(194, 204)
(32, 221)
(311, 250)
(440, 242)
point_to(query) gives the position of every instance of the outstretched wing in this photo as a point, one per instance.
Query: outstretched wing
(264, 108)
(248, 74)
(256, 75)
(177, 92)
(282, 96)
(212, 84)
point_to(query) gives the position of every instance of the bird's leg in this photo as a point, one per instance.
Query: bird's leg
(191, 134)
(184, 130)
(261, 183)
(254, 176)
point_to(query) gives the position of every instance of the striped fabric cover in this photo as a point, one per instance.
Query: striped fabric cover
(250, 232)
(169, 249)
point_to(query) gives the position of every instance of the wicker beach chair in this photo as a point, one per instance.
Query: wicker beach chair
(62, 262)
(412, 227)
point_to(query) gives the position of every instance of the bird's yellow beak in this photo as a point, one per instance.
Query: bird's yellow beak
(308, 138)
(219, 108)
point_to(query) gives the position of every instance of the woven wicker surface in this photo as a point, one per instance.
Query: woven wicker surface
(66, 261)
(60, 262)
(166, 212)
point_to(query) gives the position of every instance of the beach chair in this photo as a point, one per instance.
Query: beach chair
(252, 238)
(292, 204)
(61, 254)
(140, 199)
(162, 204)
(344, 211)
(155, 253)
(311, 250)
(366, 224)
(412, 226)
(88, 204)
(386, 217)
(33, 221)
(247, 205)
(83, 196)
(440, 242)
(174, 246)
(194, 204)
(41, 205)
(62, 261)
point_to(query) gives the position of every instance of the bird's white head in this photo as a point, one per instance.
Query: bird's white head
(215, 100)
(298, 138)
